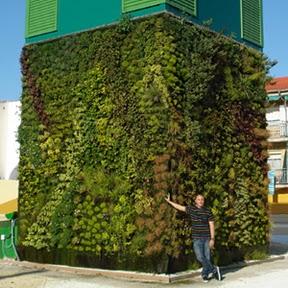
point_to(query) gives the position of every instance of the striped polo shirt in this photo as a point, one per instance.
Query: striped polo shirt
(200, 218)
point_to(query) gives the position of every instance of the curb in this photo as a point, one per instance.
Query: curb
(134, 276)
(253, 262)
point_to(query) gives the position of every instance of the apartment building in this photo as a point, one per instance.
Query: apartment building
(277, 120)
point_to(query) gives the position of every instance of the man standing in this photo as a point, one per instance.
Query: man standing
(203, 235)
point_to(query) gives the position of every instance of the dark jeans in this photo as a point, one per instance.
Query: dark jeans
(202, 252)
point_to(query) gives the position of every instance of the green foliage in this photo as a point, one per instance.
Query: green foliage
(113, 119)
(103, 220)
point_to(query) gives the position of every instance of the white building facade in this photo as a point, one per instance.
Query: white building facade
(9, 147)
(277, 125)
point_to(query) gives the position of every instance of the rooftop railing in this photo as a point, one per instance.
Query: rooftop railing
(278, 130)
(281, 176)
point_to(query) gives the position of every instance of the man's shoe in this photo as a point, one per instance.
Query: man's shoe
(210, 275)
(205, 279)
(217, 273)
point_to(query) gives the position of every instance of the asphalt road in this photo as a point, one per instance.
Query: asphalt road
(280, 228)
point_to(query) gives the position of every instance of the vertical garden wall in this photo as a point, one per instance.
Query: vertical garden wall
(114, 119)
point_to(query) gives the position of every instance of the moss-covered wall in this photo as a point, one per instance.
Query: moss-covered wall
(114, 119)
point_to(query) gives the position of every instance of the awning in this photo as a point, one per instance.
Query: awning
(276, 97)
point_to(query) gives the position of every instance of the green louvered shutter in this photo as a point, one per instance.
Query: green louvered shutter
(251, 21)
(189, 6)
(132, 5)
(41, 17)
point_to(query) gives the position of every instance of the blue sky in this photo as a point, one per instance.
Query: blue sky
(12, 31)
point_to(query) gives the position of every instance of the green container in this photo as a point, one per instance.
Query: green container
(8, 236)
(12, 215)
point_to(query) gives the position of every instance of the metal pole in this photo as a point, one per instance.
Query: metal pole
(13, 222)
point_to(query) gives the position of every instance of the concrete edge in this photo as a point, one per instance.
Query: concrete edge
(189, 274)
(131, 275)
(118, 274)
(253, 262)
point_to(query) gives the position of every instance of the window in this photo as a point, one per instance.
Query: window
(188, 6)
(41, 17)
(132, 5)
(251, 21)
(273, 115)
(275, 161)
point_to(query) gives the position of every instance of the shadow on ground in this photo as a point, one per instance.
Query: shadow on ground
(22, 274)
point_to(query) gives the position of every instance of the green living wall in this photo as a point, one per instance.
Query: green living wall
(114, 119)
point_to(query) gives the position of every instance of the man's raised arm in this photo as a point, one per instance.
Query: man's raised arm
(175, 205)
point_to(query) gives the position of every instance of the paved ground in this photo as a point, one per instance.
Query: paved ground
(271, 274)
(280, 228)
(268, 274)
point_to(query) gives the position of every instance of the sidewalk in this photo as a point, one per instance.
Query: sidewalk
(271, 272)
(262, 274)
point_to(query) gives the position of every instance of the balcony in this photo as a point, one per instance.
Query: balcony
(278, 131)
(281, 177)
